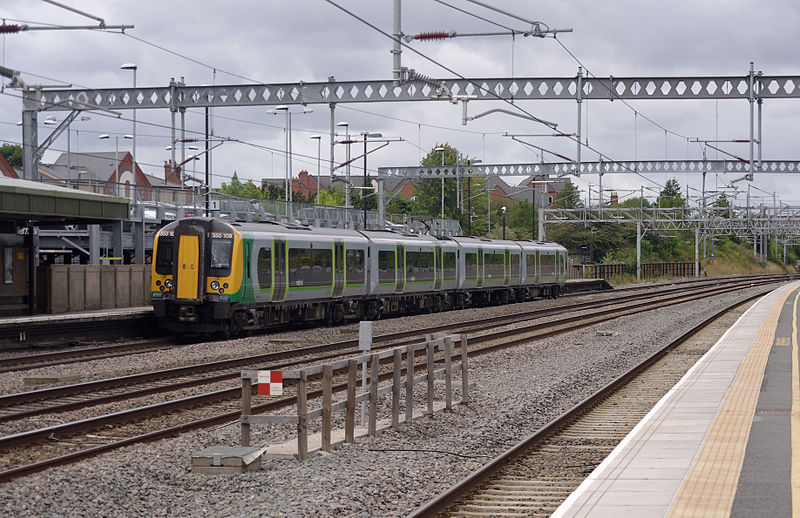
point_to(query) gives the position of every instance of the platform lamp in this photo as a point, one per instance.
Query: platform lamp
(133, 67)
(318, 138)
(346, 126)
(116, 159)
(441, 150)
(288, 146)
(366, 134)
(503, 210)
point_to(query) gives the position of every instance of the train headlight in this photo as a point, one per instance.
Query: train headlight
(168, 284)
(215, 285)
(161, 288)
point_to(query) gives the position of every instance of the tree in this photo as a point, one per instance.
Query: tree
(273, 192)
(429, 190)
(569, 197)
(369, 195)
(670, 195)
(333, 197)
(237, 188)
(634, 203)
(12, 153)
(722, 201)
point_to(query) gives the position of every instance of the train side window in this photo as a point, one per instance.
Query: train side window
(310, 267)
(514, 266)
(471, 266)
(548, 265)
(449, 263)
(386, 267)
(355, 267)
(530, 265)
(419, 265)
(493, 262)
(264, 268)
(164, 265)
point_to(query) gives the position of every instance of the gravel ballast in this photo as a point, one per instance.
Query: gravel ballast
(515, 392)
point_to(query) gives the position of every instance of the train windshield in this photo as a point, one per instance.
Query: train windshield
(164, 256)
(221, 255)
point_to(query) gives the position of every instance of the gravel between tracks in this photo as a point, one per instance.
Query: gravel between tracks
(515, 392)
(11, 382)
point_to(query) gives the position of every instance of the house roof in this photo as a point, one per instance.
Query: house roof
(392, 183)
(6, 169)
(99, 165)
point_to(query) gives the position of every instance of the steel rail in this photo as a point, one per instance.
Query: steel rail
(34, 361)
(194, 401)
(48, 394)
(464, 487)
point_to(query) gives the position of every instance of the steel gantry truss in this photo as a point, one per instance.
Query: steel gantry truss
(601, 168)
(754, 87)
(559, 169)
(751, 223)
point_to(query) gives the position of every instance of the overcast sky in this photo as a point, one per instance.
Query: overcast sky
(310, 40)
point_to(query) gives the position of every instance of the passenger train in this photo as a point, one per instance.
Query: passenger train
(211, 275)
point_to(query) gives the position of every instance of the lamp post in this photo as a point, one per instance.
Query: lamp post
(116, 158)
(288, 148)
(366, 134)
(503, 210)
(441, 150)
(346, 126)
(133, 67)
(533, 210)
(84, 118)
(318, 138)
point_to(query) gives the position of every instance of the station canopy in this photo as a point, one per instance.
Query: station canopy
(27, 201)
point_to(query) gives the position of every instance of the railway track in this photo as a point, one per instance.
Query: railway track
(71, 397)
(82, 354)
(535, 476)
(16, 446)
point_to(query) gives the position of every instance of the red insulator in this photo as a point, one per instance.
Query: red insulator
(432, 35)
(9, 28)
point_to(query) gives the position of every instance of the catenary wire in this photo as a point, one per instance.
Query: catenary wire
(450, 70)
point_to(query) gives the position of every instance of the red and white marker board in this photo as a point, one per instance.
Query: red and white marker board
(270, 383)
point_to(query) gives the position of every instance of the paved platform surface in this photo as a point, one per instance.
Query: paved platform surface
(99, 314)
(722, 441)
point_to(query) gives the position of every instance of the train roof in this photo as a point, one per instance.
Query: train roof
(373, 235)
(289, 228)
(519, 242)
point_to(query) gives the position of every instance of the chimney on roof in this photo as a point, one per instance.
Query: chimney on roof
(172, 175)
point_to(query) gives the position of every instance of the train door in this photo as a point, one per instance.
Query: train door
(280, 269)
(507, 266)
(480, 267)
(188, 266)
(338, 269)
(439, 268)
(400, 264)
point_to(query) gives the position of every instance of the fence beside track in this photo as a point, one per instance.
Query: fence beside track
(446, 344)
(607, 271)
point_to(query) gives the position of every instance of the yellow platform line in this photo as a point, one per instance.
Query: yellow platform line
(710, 485)
(795, 420)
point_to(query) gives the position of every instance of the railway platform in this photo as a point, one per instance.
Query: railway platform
(76, 325)
(725, 441)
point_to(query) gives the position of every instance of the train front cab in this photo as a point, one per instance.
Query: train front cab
(197, 275)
